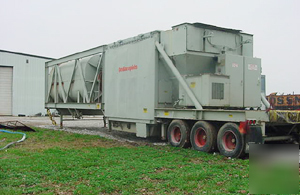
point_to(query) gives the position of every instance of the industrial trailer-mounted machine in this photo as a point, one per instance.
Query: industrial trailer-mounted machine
(195, 84)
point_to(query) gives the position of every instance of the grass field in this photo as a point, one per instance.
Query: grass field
(57, 162)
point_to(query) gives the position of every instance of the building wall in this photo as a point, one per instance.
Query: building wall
(28, 82)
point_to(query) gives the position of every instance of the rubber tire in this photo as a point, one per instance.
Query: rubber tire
(211, 133)
(239, 150)
(185, 134)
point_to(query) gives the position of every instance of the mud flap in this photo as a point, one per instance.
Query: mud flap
(253, 136)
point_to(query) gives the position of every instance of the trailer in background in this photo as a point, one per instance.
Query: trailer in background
(195, 84)
(284, 102)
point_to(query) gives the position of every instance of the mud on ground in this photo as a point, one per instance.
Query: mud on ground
(90, 125)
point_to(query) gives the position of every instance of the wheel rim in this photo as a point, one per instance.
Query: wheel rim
(200, 137)
(229, 141)
(176, 134)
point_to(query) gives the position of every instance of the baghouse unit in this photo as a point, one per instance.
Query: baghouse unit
(165, 83)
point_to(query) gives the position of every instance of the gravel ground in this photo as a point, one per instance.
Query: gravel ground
(88, 125)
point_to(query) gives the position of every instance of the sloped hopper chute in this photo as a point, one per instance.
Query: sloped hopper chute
(78, 81)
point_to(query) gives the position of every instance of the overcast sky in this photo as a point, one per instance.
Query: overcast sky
(56, 28)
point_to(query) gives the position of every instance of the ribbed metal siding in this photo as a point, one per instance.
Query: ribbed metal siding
(6, 74)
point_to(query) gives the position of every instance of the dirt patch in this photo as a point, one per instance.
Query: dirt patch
(89, 126)
(160, 170)
(64, 189)
(35, 145)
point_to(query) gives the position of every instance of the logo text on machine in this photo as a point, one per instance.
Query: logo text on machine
(128, 68)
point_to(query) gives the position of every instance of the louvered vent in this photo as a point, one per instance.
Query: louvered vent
(218, 91)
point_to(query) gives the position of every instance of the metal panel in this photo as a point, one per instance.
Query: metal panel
(194, 38)
(223, 98)
(166, 38)
(179, 40)
(195, 84)
(247, 45)
(123, 126)
(141, 130)
(178, 76)
(164, 91)
(129, 77)
(219, 42)
(202, 87)
(194, 63)
(86, 106)
(136, 120)
(6, 75)
(212, 115)
(252, 82)
(232, 65)
(263, 84)
(164, 74)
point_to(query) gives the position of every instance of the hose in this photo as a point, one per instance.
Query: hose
(5, 131)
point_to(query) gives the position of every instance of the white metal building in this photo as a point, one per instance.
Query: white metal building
(22, 83)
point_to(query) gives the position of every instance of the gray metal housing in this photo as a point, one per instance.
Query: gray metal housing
(193, 71)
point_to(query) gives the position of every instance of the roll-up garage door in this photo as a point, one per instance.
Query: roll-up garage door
(6, 75)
